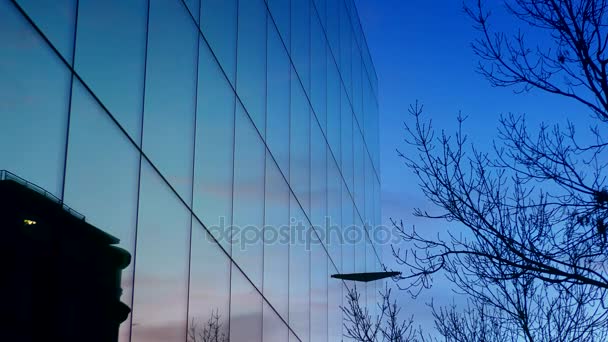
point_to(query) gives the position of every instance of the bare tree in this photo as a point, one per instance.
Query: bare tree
(361, 326)
(210, 331)
(531, 215)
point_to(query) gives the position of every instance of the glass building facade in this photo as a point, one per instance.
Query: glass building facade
(231, 145)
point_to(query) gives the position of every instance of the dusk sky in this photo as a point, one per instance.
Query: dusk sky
(422, 51)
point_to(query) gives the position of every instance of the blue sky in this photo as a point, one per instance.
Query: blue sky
(421, 51)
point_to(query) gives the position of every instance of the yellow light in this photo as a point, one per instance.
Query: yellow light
(29, 222)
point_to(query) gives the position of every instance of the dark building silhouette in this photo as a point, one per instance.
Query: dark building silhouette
(61, 276)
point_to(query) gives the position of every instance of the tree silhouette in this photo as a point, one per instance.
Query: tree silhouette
(360, 325)
(211, 331)
(532, 255)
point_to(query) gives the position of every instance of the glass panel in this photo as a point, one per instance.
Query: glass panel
(251, 78)
(293, 337)
(300, 44)
(277, 134)
(370, 266)
(359, 170)
(248, 212)
(280, 11)
(378, 202)
(318, 63)
(334, 205)
(333, 29)
(368, 124)
(357, 98)
(218, 23)
(299, 176)
(56, 19)
(213, 169)
(209, 294)
(321, 8)
(168, 137)
(110, 53)
(194, 8)
(345, 49)
(369, 192)
(318, 180)
(274, 330)
(245, 309)
(299, 272)
(161, 263)
(102, 178)
(347, 141)
(334, 300)
(333, 109)
(276, 245)
(359, 238)
(34, 92)
(318, 294)
(375, 140)
(348, 232)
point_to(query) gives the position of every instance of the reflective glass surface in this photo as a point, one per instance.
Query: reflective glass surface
(171, 93)
(34, 93)
(110, 56)
(231, 146)
(246, 317)
(160, 295)
(214, 151)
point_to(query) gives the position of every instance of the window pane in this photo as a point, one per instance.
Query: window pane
(321, 10)
(299, 273)
(110, 53)
(347, 141)
(299, 177)
(345, 49)
(359, 170)
(334, 205)
(318, 180)
(357, 98)
(56, 19)
(213, 167)
(334, 300)
(209, 294)
(248, 213)
(277, 134)
(333, 109)
(245, 309)
(280, 11)
(370, 266)
(300, 44)
(194, 8)
(318, 91)
(34, 92)
(161, 263)
(276, 247)
(251, 78)
(348, 231)
(333, 28)
(369, 192)
(101, 179)
(168, 137)
(318, 294)
(275, 330)
(360, 238)
(218, 23)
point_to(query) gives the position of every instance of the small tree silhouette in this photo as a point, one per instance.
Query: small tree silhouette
(361, 326)
(211, 331)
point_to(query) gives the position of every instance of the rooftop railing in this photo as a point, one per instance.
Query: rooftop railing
(7, 175)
